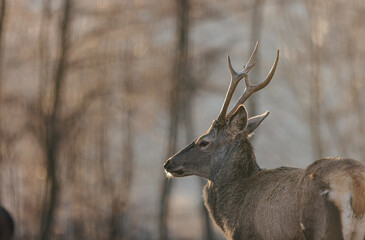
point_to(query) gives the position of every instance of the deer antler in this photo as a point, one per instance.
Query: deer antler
(250, 88)
(235, 79)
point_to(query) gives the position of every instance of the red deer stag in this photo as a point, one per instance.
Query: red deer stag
(324, 201)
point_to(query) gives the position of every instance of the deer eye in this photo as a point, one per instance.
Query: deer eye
(203, 144)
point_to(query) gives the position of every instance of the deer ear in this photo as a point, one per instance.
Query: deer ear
(255, 121)
(238, 121)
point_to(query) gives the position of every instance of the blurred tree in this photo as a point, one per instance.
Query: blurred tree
(44, 51)
(128, 139)
(52, 123)
(255, 35)
(178, 81)
(121, 191)
(316, 43)
(2, 20)
(122, 50)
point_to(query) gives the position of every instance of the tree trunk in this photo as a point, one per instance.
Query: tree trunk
(315, 106)
(127, 155)
(44, 49)
(188, 97)
(256, 26)
(52, 131)
(2, 19)
(179, 76)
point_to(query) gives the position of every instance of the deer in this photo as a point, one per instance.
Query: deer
(6, 225)
(326, 200)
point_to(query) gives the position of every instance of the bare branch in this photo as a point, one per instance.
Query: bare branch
(86, 101)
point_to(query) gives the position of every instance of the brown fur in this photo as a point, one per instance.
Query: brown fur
(247, 202)
(345, 176)
(325, 201)
(358, 200)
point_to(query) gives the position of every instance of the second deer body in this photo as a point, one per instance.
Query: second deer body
(324, 201)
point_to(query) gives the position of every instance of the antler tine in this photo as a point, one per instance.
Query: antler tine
(235, 79)
(253, 54)
(250, 88)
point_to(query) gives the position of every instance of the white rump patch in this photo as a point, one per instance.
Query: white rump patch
(352, 228)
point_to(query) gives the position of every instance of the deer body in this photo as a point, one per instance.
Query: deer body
(257, 210)
(324, 201)
(276, 204)
(258, 199)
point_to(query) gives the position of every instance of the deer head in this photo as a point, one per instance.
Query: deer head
(206, 154)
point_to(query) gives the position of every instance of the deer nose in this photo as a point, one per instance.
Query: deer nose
(167, 163)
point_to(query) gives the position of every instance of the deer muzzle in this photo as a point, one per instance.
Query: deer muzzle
(174, 171)
(177, 165)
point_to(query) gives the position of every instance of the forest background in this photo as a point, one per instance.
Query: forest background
(96, 94)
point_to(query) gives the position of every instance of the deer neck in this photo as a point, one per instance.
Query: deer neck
(219, 193)
(239, 162)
